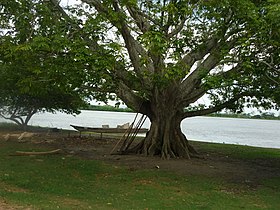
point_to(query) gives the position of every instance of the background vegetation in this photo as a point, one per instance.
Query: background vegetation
(265, 115)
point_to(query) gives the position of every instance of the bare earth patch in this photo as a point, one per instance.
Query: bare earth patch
(4, 205)
(10, 188)
(247, 172)
(213, 164)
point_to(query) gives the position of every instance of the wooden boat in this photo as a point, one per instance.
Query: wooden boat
(108, 130)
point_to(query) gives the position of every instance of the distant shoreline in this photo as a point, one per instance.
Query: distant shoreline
(264, 116)
(245, 116)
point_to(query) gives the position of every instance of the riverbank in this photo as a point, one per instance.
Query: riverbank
(227, 177)
(261, 133)
(264, 116)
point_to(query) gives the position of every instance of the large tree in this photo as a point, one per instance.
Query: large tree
(161, 57)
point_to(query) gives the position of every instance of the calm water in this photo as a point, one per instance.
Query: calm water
(263, 133)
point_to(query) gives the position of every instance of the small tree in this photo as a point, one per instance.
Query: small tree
(39, 71)
(20, 101)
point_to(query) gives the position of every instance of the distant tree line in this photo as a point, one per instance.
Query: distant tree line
(108, 108)
(264, 115)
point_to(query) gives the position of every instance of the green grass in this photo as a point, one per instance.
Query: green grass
(4, 126)
(65, 182)
(238, 151)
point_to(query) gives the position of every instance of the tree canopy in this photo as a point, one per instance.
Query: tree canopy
(38, 70)
(161, 57)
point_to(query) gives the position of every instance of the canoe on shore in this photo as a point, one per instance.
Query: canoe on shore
(108, 130)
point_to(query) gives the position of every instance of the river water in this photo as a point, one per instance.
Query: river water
(253, 132)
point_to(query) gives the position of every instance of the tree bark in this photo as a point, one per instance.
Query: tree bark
(165, 137)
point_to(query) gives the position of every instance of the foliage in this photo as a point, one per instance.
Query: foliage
(38, 69)
(107, 108)
(265, 115)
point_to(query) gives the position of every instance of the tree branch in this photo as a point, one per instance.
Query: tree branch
(177, 29)
(213, 59)
(194, 79)
(55, 3)
(92, 43)
(140, 20)
(194, 96)
(195, 55)
(270, 66)
(17, 119)
(129, 97)
(216, 108)
(133, 47)
(29, 115)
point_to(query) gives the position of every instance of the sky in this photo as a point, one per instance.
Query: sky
(68, 2)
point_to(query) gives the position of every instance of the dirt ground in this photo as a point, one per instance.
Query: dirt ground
(211, 164)
(248, 173)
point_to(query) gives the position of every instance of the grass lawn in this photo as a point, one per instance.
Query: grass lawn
(63, 181)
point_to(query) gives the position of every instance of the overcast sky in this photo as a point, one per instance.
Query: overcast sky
(68, 2)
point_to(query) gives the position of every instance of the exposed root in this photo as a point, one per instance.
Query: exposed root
(177, 147)
(38, 153)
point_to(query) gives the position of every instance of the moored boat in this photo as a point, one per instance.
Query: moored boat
(109, 130)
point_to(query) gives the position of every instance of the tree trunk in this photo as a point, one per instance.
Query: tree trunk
(165, 137)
